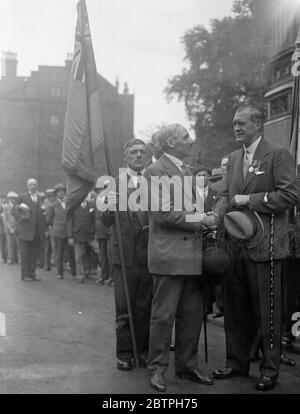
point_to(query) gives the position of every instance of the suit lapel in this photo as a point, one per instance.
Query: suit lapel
(260, 153)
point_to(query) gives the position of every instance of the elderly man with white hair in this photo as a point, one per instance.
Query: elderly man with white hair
(29, 214)
(175, 262)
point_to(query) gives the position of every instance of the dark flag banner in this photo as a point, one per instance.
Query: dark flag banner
(83, 133)
(294, 135)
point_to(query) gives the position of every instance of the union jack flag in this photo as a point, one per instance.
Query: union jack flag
(83, 133)
(82, 36)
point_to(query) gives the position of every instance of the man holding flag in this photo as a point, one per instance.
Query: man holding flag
(83, 136)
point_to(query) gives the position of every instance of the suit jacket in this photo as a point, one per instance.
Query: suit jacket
(175, 245)
(35, 224)
(211, 199)
(278, 180)
(134, 231)
(101, 231)
(81, 225)
(57, 220)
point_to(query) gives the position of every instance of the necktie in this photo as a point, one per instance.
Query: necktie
(246, 163)
(33, 197)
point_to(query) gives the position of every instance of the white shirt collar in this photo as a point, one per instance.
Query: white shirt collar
(251, 149)
(133, 173)
(153, 159)
(175, 160)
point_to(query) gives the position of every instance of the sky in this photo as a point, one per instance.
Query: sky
(138, 41)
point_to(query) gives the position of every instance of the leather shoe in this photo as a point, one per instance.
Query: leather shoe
(226, 373)
(266, 383)
(124, 364)
(27, 279)
(157, 381)
(196, 376)
(36, 279)
(284, 359)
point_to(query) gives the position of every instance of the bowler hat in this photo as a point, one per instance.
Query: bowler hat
(59, 186)
(217, 175)
(245, 226)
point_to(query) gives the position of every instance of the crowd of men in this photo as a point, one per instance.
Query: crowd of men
(177, 273)
(35, 232)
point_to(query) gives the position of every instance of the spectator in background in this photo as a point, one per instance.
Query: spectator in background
(10, 228)
(49, 242)
(80, 231)
(92, 244)
(224, 163)
(3, 245)
(57, 222)
(102, 234)
(29, 215)
(213, 287)
(41, 256)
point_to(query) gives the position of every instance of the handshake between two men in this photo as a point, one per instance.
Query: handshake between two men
(207, 220)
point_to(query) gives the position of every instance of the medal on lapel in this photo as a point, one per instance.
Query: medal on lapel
(255, 167)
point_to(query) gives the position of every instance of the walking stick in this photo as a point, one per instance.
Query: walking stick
(122, 261)
(205, 329)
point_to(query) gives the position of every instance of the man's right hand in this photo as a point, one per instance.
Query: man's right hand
(71, 241)
(210, 221)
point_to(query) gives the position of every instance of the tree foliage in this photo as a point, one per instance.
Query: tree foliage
(227, 66)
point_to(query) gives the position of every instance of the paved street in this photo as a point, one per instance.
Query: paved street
(60, 339)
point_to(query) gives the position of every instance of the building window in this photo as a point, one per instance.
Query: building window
(282, 72)
(55, 92)
(54, 121)
(280, 105)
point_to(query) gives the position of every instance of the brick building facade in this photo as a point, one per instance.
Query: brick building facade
(32, 112)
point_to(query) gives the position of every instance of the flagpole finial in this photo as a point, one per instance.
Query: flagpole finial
(296, 56)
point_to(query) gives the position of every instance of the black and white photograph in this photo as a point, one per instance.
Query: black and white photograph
(150, 199)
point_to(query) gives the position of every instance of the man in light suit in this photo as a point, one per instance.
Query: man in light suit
(31, 228)
(260, 177)
(175, 261)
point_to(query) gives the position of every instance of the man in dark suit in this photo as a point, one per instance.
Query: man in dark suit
(261, 178)
(49, 241)
(81, 230)
(134, 232)
(213, 287)
(175, 261)
(31, 228)
(57, 221)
